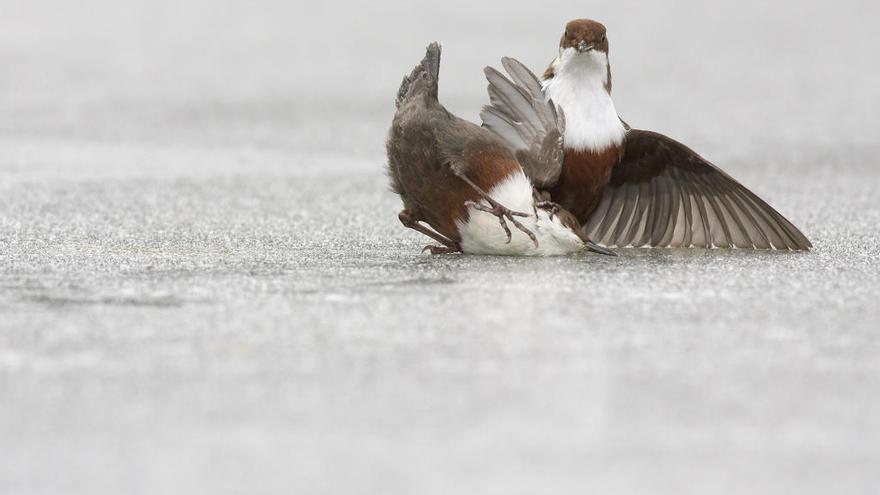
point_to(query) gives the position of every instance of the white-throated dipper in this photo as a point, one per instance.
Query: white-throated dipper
(464, 182)
(628, 187)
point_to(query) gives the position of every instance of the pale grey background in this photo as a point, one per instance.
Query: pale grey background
(204, 287)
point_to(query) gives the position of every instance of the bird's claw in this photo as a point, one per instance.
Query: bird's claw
(439, 249)
(548, 206)
(503, 213)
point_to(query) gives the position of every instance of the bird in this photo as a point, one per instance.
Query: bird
(460, 184)
(627, 187)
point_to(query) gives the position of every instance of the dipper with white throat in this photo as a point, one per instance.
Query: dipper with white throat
(464, 183)
(628, 187)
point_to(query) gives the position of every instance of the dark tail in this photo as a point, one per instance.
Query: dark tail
(424, 77)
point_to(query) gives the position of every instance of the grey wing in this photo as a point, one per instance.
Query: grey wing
(663, 194)
(529, 123)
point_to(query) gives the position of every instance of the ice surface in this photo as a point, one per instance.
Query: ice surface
(204, 287)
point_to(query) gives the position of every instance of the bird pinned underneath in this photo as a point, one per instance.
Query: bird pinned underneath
(461, 185)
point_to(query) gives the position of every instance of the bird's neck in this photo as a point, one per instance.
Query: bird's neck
(580, 83)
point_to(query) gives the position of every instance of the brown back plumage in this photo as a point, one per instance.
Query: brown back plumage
(429, 148)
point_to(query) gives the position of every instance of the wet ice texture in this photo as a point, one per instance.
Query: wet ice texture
(204, 287)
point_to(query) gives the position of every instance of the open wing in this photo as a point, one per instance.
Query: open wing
(526, 120)
(663, 194)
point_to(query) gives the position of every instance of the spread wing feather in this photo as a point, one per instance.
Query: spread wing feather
(662, 194)
(526, 120)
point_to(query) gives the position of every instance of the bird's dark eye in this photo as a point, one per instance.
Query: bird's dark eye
(567, 34)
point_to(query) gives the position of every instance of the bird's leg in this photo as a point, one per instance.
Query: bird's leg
(548, 206)
(540, 195)
(543, 201)
(441, 249)
(502, 212)
(408, 220)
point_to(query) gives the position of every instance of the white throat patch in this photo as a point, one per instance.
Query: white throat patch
(578, 86)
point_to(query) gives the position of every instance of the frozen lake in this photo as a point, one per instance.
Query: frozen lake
(204, 287)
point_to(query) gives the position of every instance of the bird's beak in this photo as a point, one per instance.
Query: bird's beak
(584, 47)
(592, 246)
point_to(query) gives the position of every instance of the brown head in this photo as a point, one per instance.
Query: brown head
(584, 35)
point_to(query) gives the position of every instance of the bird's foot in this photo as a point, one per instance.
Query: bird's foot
(440, 249)
(548, 206)
(503, 213)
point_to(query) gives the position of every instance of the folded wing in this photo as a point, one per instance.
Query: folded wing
(663, 194)
(526, 120)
